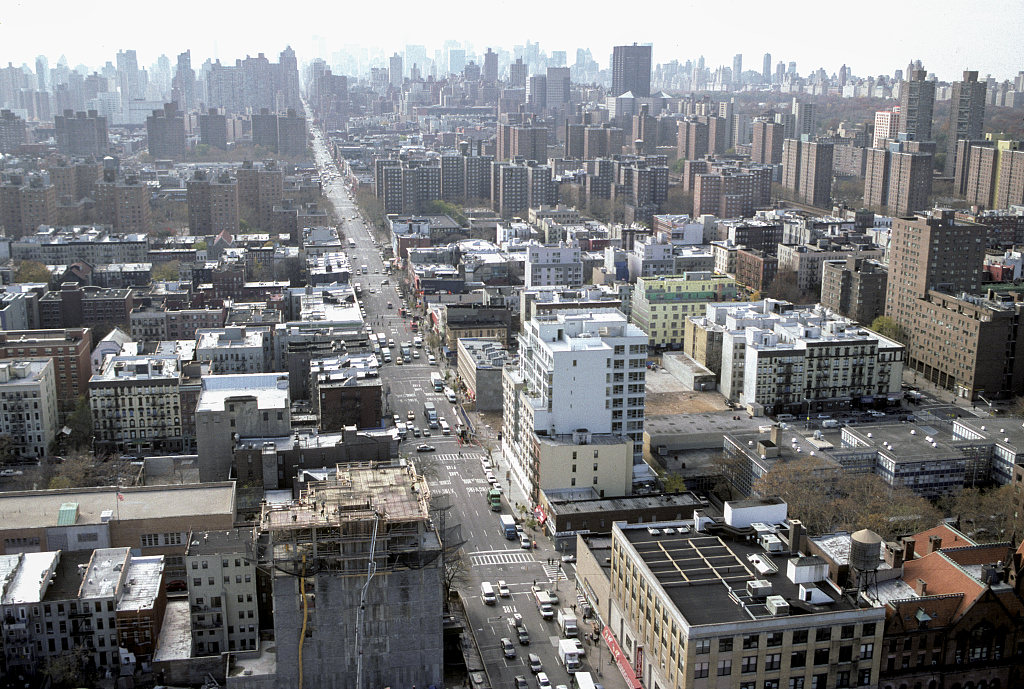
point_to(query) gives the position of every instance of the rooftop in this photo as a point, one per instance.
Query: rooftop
(175, 640)
(139, 367)
(215, 542)
(27, 576)
(706, 576)
(36, 509)
(641, 502)
(142, 583)
(105, 571)
(269, 389)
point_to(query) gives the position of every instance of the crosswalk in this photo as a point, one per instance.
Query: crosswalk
(457, 458)
(554, 572)
(500, 557)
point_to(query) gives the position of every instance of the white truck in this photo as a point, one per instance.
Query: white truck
(568, 655)
(567, 623)
(543, 603)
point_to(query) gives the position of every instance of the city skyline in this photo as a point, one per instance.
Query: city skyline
(948, 41)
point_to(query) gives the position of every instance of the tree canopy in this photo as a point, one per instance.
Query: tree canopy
(32, 271)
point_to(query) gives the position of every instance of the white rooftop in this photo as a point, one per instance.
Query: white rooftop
(28, 582)
(104, 572)
(269, 389)
(142, 583)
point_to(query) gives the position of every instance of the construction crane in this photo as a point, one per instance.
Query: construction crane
(371, 569)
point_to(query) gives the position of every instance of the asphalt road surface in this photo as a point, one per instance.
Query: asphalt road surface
(455, 472)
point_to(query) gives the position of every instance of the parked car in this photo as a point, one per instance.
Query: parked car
(542, 681)
(507, 648)
(535, 664)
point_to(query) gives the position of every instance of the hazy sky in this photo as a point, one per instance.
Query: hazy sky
(872, 37)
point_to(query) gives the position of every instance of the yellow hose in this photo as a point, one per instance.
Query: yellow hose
(305, 616)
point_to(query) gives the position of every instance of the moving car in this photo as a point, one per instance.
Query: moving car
(524, 541)
(425, 448)
(542, 681)
(503, 589)
(535, 664)
(507, 648)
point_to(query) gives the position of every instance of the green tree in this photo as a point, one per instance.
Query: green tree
(200, 245)
(80, 423)
(32, 271)
(450, 209)
(166, 271)
(887, 327)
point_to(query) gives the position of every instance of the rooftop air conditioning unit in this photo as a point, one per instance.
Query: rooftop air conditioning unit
(777, 606)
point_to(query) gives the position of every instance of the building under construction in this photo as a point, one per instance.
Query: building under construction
(357, 591)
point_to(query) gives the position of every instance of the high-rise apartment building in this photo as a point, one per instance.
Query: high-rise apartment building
(994, 173)
(213, 129)
(212, 203)
(917, 102)
(183, 84)
(631, 70)
(807, 171)
(766, 137)
(517, 73)
(854, 287)
(887, 124)
(766, 68)
(898, 178)
(490, 73)
(165, 130)
(564, 424)
(966, 115)
(955, 339)
(737, 69)
(395, 74)
(291, 133)
(81, 133)
(510, 189)
(27, 204)
(123, 202)
(13, 132)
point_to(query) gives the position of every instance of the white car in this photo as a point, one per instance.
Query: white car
(542, 681)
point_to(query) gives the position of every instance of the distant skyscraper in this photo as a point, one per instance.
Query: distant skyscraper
(517, 72)
(737, 68)
(128, 77)
(490, 66)
(766, 68)
(42, 73)
(631, 70)
(917, 100)
(395, 70)
(966, 115)
(557, 87)
(183, 85)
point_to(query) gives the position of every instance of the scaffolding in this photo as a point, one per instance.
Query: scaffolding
(331, 525)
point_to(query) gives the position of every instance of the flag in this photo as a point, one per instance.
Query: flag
(120, 496)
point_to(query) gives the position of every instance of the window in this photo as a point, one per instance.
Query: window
(843, 678)
(750, 641)
(846, 632)
(823, 634)
(700, 669)
(796, 683)
(773, 661)
(774, 639)
(724, 668)
(150, 540)
(798, 659)
(703, 646)
(864, 678)
(771, 684)
(725, 645)
(197, 582)
(800, 636)
(749, 664)
(867, 651)
(845, 654)
(821, 656)
(868, 629)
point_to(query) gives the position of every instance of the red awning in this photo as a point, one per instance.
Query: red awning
(620, 659)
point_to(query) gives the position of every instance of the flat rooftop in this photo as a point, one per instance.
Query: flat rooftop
(104, 572)
(903, 442)
(706, 576)
(27, 576)
(215, 542)
(35, 509)
(269, 389)
(142, 583)
(641, 502)
(175, 640)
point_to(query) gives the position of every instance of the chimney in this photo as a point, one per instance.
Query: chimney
(908, 549)
(921, 587)
(934, 543)
(796, 534)
(894, 555)
(775, 434)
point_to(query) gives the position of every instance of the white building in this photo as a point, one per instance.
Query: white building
(653, 256)
(556, 395)
(549, 265)
(28, 405)
(221, 575)
(238, 349)
(777, 358)
(113, 343)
